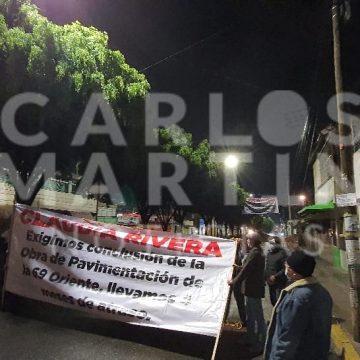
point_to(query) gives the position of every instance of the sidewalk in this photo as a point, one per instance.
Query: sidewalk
(336, 282)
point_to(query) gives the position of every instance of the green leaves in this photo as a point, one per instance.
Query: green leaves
(72, 54)
(176, 140)
(263, 223)
(205, 180)
(67, 64)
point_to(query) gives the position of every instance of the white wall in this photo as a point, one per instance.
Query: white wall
(64, 201)
(7, 194)
(326, 192)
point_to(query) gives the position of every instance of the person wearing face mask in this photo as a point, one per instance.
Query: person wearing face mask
(251, 278)
(275, 269)
(301, 321)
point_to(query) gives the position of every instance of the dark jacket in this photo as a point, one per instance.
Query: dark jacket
(251, 275)
(275, 264)
(301, 323)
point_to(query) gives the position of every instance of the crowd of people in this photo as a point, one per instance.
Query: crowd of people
(301, 319)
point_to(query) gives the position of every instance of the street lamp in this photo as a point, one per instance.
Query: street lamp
(302, 198)
(250, 232)
(231, 161)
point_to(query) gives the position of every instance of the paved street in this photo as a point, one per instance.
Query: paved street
(43, 332)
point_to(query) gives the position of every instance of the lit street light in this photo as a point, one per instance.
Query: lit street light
(302, 198)
(231, 161)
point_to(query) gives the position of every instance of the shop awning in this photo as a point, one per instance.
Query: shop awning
(317, 208)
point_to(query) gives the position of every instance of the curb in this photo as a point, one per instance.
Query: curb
(342, 344)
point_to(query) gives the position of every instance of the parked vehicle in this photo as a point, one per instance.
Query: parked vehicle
(128, 219)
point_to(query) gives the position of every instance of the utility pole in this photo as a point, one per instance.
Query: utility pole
(346, 181)
(289, 208)
(289, 222)
(97, 200)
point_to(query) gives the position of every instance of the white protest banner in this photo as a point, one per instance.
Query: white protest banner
(140, 277)
(261, 205)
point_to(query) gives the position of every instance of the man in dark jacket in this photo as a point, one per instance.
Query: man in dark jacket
(252, 282)
(236, 289)
(301, 321)
(275, 269)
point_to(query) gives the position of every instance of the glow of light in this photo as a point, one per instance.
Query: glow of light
(251, 232)
(231, 161)
(302, 197)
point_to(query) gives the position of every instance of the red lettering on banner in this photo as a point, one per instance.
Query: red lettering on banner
(157, 243)
(176, 244)
(134, 238)
(193, 246)
(85, 230)
(56, 223)
(212, 249)
(196, 247)
(68, 226)
(145, 240)
(27, 216)
(109, 233)
(38, 221)
(35, 218)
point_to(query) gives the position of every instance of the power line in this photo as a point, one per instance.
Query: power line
(305, 146)
(185, 49)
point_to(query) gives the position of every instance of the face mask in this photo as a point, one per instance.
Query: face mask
(287, 273)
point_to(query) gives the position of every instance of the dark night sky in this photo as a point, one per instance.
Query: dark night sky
(243, 48)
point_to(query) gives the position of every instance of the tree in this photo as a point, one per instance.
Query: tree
(262, 223)
(204, 183)
(67, 64)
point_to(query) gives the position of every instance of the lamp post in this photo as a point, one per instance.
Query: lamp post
(300, 199)
(231, 163)
(289, 208)
(289, 222)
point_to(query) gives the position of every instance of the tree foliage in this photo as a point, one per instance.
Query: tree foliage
(263, 223)
(73, 58)
(204, 184)
(67, 64)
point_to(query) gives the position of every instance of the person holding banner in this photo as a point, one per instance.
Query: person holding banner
(236, 289)
(252, 282)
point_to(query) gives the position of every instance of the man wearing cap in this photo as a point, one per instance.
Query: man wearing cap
(301, 321)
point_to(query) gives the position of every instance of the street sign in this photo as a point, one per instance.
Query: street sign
(343, 200)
